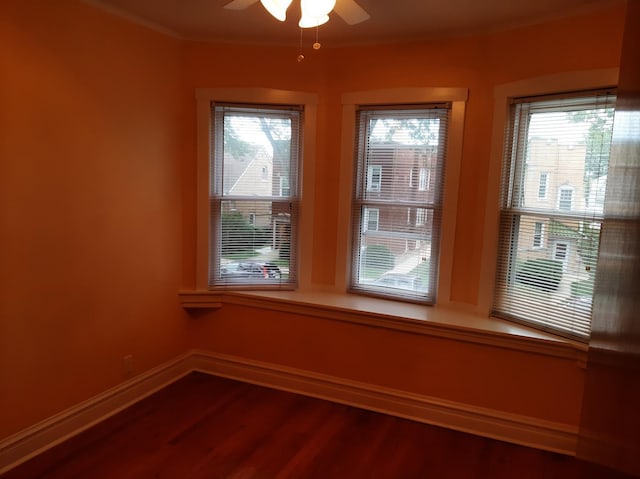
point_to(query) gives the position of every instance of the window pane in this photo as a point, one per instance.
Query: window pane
(542, 187)
(264, 242)
(254, 201)
(553, 199)
(397, 202)
(257, 159)
(566, 157)
(393, 253)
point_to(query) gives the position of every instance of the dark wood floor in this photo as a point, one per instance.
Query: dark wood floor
(208, 427)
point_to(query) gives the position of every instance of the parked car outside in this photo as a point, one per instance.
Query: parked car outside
(250, 269)
(400, 280)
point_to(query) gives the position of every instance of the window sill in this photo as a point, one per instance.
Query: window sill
(436, 321)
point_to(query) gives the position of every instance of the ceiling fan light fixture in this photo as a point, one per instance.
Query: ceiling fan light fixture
(277, 8)
(316, 8)
(310, 22)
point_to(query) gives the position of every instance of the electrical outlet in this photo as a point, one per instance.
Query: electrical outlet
(127, 366)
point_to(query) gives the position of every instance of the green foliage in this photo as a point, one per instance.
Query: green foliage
(588, 247)
(582, 288)
(420, 130)
(378, 257)
(239, 236)
(285, 251)
(543, 274)
(598, 141)
(422, 271)
(234, 144)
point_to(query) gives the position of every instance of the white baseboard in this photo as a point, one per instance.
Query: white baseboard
(491, 423)
(36, 439)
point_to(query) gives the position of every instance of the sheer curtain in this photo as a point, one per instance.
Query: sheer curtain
(610, 426)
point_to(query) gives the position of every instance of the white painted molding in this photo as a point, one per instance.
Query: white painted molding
(44, 435)
(452, 323)
(490, 423)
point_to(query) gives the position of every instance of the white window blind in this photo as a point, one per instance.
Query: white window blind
(400, 156)
(254, 200)
(549, 235)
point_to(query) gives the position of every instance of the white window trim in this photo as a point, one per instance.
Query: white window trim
(424, 179)
(371, 186)
(265, 96)
(548, 84)
(560, 190)
(539, 235)
(567, 252)
(448, 319)
(369, 214)
(350, 102)
(546, 185)
(281, 185)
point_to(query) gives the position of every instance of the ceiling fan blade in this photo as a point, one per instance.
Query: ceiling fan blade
(351, 12)
(239, 4)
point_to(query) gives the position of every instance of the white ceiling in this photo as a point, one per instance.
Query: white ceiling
(391, 20)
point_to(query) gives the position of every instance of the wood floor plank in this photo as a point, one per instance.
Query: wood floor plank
(209, 427)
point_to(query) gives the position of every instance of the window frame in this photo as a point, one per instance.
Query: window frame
(258, 96)
(538, 236)
(421, 216)
(254, 189)
(371, 186)
(544, 85)
(561, 254)
(403, 96)
(366, 222)
(563, 189)
(424, 179)
(387, 206)
(543, 185)
(450, 319)
(541, 85)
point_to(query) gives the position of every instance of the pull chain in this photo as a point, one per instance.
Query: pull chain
(300, 55)
(316, 45)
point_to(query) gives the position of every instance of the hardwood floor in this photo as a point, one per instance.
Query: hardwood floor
(208, 427)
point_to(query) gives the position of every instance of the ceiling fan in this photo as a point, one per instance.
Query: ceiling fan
(348, 10)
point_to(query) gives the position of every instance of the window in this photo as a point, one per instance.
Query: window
(567, 136)
(561, 252)
(284, 189)
(542, 186)
(537, 234)
(393, 257)
(371, 219)
(253, 194)
(374, 178)
(565, 198)
(424, 179)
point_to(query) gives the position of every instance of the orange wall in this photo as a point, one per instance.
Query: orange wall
(97, 199)
(485, 376)
(89, 205)
(478, 63)
(511, 381)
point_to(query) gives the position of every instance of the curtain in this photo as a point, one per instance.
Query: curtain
(610, 425)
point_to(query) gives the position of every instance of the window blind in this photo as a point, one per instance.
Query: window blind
(254, 195)
(552, 202)
(397, 198)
